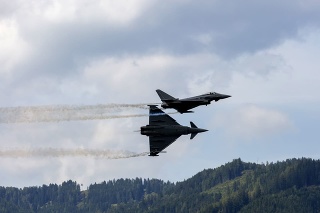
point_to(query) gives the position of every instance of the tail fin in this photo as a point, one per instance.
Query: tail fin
(154, 110)
(164, 96)
(195, 133)
(193, 125)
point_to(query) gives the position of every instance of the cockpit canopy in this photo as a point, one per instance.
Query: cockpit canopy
(210, 93)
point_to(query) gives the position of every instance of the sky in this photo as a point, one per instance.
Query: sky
(61, 55)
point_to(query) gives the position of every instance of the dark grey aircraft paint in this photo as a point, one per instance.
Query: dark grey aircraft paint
(163, 130)
(183, 105)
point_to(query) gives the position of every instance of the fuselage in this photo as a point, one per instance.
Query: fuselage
(168, 130)
(195, 101)
(163, 130)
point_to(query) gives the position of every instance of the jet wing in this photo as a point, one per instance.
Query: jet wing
(159, 143)
(184, 107)
(158, 117)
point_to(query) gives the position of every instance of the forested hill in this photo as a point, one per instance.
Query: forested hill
(289, 186)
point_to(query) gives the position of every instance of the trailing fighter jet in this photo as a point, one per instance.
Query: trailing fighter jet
(183, 105)
(163, 130)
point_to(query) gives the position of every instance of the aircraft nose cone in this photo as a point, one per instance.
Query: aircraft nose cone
(225, 96)
(221, 96)
(201, 130)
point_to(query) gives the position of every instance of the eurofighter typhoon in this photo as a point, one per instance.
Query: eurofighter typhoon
(163, 130)
(183, 105)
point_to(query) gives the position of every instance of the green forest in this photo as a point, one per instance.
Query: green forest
(288, 186)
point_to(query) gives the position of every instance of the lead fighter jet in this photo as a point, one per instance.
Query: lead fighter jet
(183, 105)
(163, 130)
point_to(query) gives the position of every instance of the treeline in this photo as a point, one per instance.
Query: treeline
(34, 199)
(68, 197)
(289, 186)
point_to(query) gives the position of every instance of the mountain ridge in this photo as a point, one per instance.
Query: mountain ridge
(292, 185)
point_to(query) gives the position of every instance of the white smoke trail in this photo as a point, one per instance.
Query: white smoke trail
(79, 152)
(56, 113)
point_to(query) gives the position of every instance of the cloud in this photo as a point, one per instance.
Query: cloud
(13, 49)
(64, 37)
(253, 122)
(285, 75)
(227, 29)
(87, 52)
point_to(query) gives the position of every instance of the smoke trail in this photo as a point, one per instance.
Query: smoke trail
(54, 152)
(56, 113)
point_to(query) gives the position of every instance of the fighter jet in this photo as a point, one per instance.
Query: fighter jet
(183, 105)
(163, 130)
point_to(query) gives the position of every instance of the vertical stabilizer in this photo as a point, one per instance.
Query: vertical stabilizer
(193, 135)
(194, 130)
(193, 125)
(164, 96)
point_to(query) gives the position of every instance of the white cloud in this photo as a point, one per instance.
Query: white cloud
(59, 12)
(261, 64)
(13, 49)
(301, 57)
(184, 75)
(286, 75)
(105, 133)
(253, 122)
(123, 11)
(204, 39)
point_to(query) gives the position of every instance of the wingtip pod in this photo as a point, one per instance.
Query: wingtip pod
(154, 154)
(181, 112)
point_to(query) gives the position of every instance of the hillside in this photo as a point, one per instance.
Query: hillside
(289, 186)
